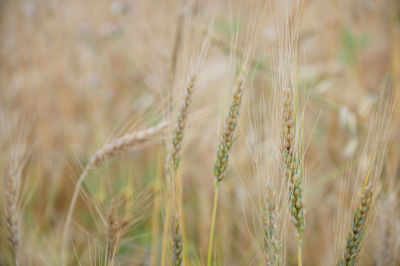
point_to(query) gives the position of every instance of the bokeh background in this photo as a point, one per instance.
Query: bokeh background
(80, 73)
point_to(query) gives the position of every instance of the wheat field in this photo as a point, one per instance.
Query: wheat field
(200, 132)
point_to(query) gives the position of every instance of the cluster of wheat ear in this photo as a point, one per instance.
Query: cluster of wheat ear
(281, 168)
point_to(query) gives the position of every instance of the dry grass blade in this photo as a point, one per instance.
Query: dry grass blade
(112, 148)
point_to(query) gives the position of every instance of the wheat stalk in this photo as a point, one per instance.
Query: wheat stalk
(157, 200)
(121, 144)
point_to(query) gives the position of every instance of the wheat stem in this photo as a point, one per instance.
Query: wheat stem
(213, 220)
(165, 235)
(299, 253)
(155, 224)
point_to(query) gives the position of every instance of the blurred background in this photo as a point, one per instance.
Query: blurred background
(80, 73)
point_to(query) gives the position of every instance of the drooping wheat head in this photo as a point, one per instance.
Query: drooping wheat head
(123, 143)
(110, 149)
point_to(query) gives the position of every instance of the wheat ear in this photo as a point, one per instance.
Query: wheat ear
(224, 147)
(272, 243)
(358, 226)
(177, 242)
(13, 178)
(116, 225)
(178, 135)
(172, 165)
(113, 229)
(176, 147)
(11, 212)
(121, 144)
(292, 166)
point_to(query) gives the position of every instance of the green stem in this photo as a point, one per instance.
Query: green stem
(299, 258)
(213, 219)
